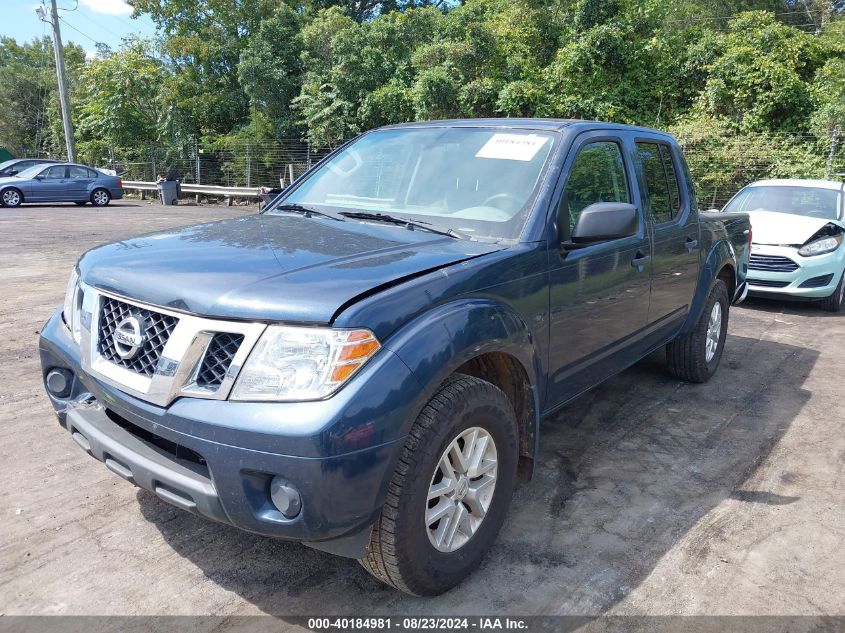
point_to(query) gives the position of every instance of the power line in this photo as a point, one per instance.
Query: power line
(80, 32)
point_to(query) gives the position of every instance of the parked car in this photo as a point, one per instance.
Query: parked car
(363, 367)
(799, 226)
(16, 165)
(61, 182)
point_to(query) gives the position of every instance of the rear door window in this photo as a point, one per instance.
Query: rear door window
(663, 192)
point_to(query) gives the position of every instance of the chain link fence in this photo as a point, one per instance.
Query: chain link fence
(720, 165)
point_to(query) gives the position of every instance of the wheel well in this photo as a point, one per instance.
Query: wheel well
(728, 276)
(20, 193)
(508, 374)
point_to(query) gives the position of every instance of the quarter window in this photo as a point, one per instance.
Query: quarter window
(662, 189)
(597, 175)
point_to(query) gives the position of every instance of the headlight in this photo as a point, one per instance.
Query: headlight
(302, 363)
(73, 306)
(820, 246)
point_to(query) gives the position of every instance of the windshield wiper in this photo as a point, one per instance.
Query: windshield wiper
(306, 211)
(410, 224)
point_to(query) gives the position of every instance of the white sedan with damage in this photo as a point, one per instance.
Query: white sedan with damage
(798, 229)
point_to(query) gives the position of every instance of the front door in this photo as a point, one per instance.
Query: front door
(52, 184)
(674, 219)
(599, 295)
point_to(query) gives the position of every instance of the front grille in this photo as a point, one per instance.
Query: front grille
(218, 358)
(771, 263)
(767, 283)
(157, 329)
(817, 282)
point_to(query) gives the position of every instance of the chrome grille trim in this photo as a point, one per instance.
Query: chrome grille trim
(771, 263)
(112, 311)
(179, 361)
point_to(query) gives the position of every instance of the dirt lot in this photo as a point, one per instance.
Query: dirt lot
(651, 496)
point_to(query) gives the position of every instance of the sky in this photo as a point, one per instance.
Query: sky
(107, 21)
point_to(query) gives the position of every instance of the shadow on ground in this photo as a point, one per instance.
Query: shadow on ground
(625, 471)
(782, 306)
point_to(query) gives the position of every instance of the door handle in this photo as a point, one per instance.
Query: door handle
(640, 261)
(691, 244)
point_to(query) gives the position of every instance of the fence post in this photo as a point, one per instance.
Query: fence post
(248, 166)
(197, 154)
(834, 139)
(308, 153)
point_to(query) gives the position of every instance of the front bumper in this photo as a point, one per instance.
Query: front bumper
(803, 282)
(216, 458)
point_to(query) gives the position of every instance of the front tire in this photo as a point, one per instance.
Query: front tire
(100, 197)
(451, 490)
(695, 357)
(11, 197)
(834, 302)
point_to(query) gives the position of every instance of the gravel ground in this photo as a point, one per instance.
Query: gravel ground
(651, 496)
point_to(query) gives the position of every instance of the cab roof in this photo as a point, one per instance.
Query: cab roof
(555, 125)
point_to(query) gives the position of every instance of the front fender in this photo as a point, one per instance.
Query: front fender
(721, 254)
(439, 341)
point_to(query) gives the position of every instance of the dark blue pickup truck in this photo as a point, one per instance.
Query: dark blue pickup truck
(363, 366)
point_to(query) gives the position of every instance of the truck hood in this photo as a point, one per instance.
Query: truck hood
(784, 228)
(270, 267)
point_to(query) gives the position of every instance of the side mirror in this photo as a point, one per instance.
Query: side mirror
(604, 221)
(13, 172)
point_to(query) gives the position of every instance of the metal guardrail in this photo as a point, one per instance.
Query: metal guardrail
(209, 190)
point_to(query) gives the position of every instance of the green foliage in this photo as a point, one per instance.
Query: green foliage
(757, 85)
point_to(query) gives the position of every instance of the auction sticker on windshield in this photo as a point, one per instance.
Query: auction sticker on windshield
(512, 146)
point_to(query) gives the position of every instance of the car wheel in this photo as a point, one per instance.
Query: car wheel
(834, 302)
(451, 489)
(100, 197)
(11, 197)
(81, 203)
(696, 356)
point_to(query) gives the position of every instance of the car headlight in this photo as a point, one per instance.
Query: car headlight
(302, 363)
(820, 246)
(72, 311)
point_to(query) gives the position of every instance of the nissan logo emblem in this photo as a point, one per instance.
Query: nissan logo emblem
(128, 337)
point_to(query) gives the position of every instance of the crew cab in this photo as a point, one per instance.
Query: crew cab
(364, 365)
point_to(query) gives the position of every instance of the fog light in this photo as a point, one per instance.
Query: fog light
(59, 382)
(285, 497)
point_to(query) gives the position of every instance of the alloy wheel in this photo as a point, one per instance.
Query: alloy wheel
(11, 198)
(714, 332)
(461, 489)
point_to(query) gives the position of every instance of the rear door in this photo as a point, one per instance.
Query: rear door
(673, 217)
(599, 294)
(79, 181)
(52, 185)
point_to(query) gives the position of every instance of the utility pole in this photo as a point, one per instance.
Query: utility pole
(60, 73)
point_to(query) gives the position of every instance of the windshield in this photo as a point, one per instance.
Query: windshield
(32, 171)
(477, 181)
(813, 202)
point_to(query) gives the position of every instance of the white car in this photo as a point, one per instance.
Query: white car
(798, 229)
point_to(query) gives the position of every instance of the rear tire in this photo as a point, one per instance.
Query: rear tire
(467, 418)
(11, 197)
(100, 197)
(696, 356)
(834, 302)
